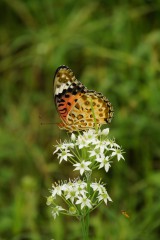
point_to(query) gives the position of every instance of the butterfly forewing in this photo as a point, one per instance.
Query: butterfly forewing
(78, 107)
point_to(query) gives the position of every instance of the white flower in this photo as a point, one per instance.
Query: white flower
(81, 142)
(89, 133)
(57, 190)
(56, 210)
(103, 132)
(80, 187)
(97, 186)
(107, 166)
(84, 201)
(96, 152)
(104, 197)
(73, 137)
(82, 166)
(71, 194)
(113, 144)
(104, 162)
(68, 145)
(64, 187)
(75, 189)
(63, 146)
(60, 146)
(118, 153)
(81, 184)
(101, 145)
(90, 137)
(64, 155)
(100, 157)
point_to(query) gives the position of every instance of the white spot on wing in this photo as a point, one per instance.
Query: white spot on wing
(61, 89)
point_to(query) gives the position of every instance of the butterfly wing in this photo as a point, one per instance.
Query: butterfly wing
(90, 109)
(67, 90)
(78, 107)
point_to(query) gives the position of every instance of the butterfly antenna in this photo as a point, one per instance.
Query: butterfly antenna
(45, 123)
(48, 123)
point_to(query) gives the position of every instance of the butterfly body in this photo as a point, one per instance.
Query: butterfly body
(78, 107)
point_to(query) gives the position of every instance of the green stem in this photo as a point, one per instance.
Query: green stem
(87, 225)
(84, 226)
(94, 117)
(85, 218)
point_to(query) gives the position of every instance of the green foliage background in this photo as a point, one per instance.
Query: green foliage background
(113, 47)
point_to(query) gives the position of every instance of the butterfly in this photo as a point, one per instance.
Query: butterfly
(78, 107)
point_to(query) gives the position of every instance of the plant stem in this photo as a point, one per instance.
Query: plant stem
(85, 226)
(85, 219)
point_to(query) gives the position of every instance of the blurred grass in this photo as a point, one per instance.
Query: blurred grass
(113, 47)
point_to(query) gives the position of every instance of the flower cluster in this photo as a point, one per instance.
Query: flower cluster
(89, 150)
(86, 151)
(79, 197)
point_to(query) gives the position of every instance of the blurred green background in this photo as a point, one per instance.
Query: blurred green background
(113, 47)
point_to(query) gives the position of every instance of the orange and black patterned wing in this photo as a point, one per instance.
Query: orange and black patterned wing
(78, 107)
(67, 90)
